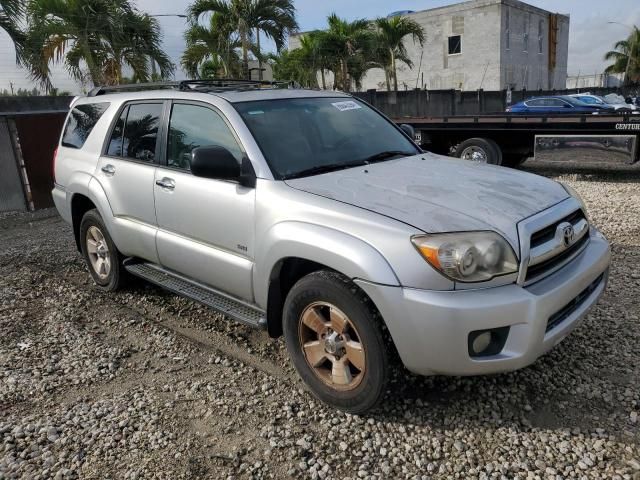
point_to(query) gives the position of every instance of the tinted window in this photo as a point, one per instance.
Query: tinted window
(138, 140)
(535, 103)
(115, 143)
(589, 100)
(192, 126)
(80, 123)
(299, 134)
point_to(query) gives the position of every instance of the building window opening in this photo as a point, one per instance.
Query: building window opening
(455, 45)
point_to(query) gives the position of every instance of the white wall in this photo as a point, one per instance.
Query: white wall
(485, 62)
(596, 80)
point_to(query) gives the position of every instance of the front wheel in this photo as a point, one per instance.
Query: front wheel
(334, 338)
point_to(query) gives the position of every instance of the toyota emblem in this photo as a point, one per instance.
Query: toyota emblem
(568, 234)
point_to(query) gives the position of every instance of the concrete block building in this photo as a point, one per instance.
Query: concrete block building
(488, 44)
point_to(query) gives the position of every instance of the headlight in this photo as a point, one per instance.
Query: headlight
(468, 256)
(571, 191)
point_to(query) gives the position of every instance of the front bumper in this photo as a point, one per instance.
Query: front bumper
(430, 329)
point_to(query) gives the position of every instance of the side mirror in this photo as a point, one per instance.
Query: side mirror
(409, 130)
(214, 161)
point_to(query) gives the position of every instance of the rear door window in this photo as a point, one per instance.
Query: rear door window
(81, 122)
(135, 133)
(141, 131)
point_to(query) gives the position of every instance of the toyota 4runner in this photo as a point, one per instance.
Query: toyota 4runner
(312, 215)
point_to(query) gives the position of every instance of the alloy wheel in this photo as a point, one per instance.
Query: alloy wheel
(98, 252)
(331, 346)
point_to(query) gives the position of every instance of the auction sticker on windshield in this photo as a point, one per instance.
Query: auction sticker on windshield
(347, 105)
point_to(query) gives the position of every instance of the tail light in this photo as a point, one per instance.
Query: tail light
(53, 165)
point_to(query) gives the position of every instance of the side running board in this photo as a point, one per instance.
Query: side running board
(221, 302)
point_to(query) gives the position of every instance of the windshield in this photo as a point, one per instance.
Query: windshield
(306, 136)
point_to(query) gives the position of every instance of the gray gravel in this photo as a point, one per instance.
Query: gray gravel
(142, 384)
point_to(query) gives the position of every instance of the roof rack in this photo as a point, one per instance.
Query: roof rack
(214, 85)
(131, 87)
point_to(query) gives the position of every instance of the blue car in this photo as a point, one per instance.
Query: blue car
(561, 104)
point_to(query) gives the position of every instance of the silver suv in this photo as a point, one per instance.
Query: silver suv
(312, 215)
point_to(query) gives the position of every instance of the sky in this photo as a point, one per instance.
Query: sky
(590, 36)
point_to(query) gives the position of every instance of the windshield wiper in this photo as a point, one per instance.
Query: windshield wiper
(386, 155)
(332, 167)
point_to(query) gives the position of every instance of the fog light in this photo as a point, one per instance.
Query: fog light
(481, 342)
(486, 343)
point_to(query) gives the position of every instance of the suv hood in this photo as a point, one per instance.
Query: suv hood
(439, 194)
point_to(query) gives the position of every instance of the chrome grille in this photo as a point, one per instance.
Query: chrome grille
(556, 244)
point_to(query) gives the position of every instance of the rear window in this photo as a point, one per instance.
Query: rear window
(80, 123)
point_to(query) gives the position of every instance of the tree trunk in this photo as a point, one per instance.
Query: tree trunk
(393, 71)
(154, 72)
(244, 40)
(259, 54)
(324, 84)
(345, 75)
(387, 78)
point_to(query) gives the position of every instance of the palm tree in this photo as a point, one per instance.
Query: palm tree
(314, 43)
(294, 66)
(96, 39)
(343, 41)
(626, 57)
(217, 44)
(11, 11)
(275, 18)
(391, 33)
(134, 42)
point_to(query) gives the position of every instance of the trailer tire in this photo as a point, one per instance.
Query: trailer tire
(482, 150)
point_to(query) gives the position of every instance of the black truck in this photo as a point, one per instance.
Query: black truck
(510, 139)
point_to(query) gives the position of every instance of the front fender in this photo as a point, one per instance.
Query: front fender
(344, 253)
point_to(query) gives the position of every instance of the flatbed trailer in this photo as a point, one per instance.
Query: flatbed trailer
(510, 139)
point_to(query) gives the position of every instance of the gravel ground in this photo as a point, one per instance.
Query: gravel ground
(143, 384)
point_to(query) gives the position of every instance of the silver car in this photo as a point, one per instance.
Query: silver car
(312, 215)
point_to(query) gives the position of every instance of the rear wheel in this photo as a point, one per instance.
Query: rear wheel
(100, 253)
(481, 150)
(334, 338)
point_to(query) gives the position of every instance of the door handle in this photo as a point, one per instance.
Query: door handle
(109, 169)
(166, 183)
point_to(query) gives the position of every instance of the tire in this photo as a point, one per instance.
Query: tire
(100, 253)
(355, 378)
(483, 150)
